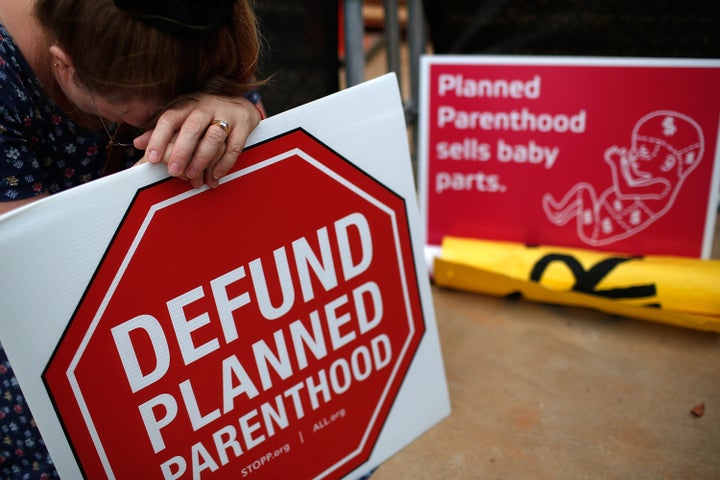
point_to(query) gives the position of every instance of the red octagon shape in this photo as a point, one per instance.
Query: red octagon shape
(261, 329)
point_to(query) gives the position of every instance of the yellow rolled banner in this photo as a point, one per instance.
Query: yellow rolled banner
(672, 290)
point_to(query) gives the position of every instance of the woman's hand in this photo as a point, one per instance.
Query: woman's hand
(195, 148)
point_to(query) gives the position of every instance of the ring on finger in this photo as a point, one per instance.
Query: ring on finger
(222, 124)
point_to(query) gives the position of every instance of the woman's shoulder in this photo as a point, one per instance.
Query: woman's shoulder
(19, 87)
(10, 55)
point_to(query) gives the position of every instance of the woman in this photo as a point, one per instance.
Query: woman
(74, 68)
(85, 86)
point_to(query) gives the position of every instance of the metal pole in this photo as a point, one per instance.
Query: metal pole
(417, 40)
(392, 37)
(354, 32)
(416, 47)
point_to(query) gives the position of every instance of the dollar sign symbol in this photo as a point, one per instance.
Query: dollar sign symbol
(669, 127)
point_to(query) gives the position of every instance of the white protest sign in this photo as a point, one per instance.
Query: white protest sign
(280, 323)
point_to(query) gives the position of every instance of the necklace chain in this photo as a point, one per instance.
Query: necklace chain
(111, 136)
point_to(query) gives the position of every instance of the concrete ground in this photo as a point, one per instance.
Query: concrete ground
(550, 392)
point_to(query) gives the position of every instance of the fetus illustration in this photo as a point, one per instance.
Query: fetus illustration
(665, 148)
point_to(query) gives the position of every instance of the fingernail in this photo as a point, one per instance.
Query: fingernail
(153, 156)
(174, 169)
(192, 172)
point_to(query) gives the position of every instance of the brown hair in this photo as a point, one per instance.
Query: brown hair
(117, 56)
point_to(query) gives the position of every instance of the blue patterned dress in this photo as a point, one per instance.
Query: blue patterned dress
(41, 150)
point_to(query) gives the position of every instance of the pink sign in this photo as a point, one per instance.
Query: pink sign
(611, 154)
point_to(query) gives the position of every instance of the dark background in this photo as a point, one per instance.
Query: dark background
(301, 38)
